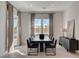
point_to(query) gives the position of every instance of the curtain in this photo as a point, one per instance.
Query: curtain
(6, 44)
(10, 25)
(19, 22)
(51, 24)
(32, 24)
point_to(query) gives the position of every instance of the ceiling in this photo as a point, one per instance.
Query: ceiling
(41, 6)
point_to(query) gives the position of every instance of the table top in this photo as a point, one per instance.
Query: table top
(46, 38)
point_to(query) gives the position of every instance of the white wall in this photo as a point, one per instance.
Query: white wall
(2, 27)
(57, 24)
(73, 13)
(25, 23)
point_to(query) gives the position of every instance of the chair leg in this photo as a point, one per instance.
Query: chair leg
(54, 51)
(45, 50)
(28, 51)
(37, 50)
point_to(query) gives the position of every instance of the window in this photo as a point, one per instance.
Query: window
(15, 28)
(46, 26)
(41, 25)
(15, 32)
(37, 26)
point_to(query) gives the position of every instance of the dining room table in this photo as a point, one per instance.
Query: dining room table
(41, 42)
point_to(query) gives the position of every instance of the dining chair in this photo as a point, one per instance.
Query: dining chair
(50, 36)
(32, 46)
(52, 46)
(52, 39)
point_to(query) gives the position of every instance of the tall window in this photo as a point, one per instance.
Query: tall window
(41, 25)
(37, 26)
(15, 28)
(46, 26)
(15, 32)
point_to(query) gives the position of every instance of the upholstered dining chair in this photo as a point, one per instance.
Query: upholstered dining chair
(32, 46)
(52, 46)
(52, 39)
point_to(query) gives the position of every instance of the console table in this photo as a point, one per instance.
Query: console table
(69, 44)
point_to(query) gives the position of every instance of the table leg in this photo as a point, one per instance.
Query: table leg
(41, 47)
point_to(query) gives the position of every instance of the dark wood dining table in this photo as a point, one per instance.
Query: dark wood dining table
(41, 42)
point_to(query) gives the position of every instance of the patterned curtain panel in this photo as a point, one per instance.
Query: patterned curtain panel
(19, 22)
(10, 25)
(51, 24)
(32, 24)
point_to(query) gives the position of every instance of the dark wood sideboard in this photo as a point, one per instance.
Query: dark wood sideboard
(70, 44)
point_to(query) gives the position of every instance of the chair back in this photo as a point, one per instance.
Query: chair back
(30, 39)
(28, 43)
(52, 40)
(55, 43)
